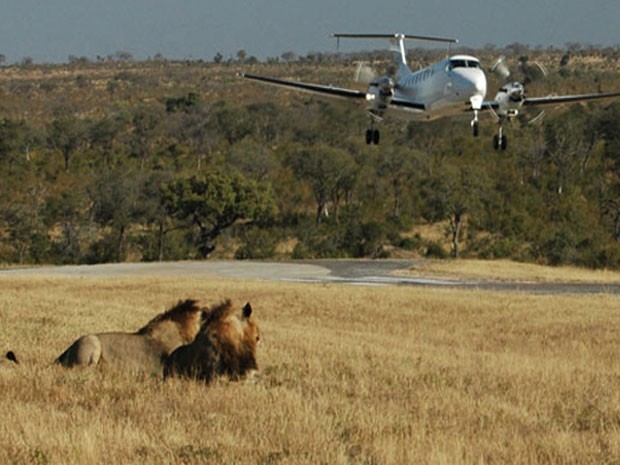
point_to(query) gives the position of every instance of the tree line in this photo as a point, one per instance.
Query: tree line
(163, 160)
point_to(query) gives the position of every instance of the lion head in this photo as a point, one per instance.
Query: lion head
(235, 336)
(225, 345)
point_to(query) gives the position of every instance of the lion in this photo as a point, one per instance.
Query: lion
(144, 349)
(225, 345)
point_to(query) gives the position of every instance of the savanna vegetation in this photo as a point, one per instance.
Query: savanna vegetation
(381, 375)
(119, 160)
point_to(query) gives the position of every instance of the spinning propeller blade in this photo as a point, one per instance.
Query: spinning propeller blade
(364, 74)
(500, 67)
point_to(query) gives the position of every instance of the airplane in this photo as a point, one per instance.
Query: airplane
(456, 85)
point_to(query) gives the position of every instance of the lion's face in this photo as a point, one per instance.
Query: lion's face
(237, 338)
(251, 333)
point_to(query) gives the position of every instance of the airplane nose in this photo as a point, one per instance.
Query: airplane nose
(470, 82)
(480, 84)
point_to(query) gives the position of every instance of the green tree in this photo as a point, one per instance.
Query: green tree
(329, 171)
(103, 134)
(450, 197)
(114, 205)
(398, 168)
(15, 140)
(145, 123)
(214, 202)
(66, 133)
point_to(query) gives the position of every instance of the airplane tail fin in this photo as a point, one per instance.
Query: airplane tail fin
(398, 47)
(398, 44)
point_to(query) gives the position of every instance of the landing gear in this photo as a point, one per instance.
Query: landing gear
(373, 136)
(499, 140)
(474, 124)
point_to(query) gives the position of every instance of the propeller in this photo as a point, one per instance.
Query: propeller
(531, 72)
(500, 67)
(515, 91)
(364, 74)
(385, 85)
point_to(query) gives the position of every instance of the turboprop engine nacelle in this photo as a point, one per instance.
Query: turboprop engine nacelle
(380, 93)
(510, 98)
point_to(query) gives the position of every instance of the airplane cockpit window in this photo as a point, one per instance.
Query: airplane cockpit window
(461, 63)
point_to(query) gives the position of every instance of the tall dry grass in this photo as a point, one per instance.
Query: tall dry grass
(383, 375)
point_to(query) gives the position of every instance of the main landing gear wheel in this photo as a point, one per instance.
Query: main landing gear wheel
(500, 142)
(474, 128)
(372, 136)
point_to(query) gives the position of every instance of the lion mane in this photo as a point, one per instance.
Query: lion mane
(225, 345)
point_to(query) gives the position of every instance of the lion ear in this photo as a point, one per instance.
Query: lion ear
(247, 310)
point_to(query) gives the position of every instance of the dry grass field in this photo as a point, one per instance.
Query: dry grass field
(349, 375)
(507, 270)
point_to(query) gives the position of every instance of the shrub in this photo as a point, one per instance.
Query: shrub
(435, 250)
(257, 244)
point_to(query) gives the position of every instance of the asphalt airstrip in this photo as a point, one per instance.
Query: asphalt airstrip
(352, 272)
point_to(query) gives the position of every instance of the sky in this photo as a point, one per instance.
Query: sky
(49, 31)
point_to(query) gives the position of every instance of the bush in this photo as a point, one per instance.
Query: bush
(257, 244)
(103, 250)
(320, 241)
(176, 246)
(435, 250)
(411, 243)
(491, 248)
(561, 249)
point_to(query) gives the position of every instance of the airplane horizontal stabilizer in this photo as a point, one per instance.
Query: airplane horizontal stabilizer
(395, 36)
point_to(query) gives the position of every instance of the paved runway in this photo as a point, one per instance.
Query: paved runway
(353, 272)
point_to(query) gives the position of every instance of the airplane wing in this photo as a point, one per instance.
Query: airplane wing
(488, 105)
(337, 92)
(329, 91)
(400, 104)
(559, 99)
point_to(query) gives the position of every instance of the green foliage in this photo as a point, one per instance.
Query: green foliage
(435, 250)
(257, 244)
(214, 202)
(319, 241)
(185, 103)
(157, 160)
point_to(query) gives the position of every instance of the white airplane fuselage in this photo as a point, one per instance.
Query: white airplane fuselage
(444, 88)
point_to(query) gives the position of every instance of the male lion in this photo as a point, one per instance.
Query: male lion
(144, 349)
(225, 345)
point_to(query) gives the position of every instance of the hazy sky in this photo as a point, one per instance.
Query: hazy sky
(51, 30)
